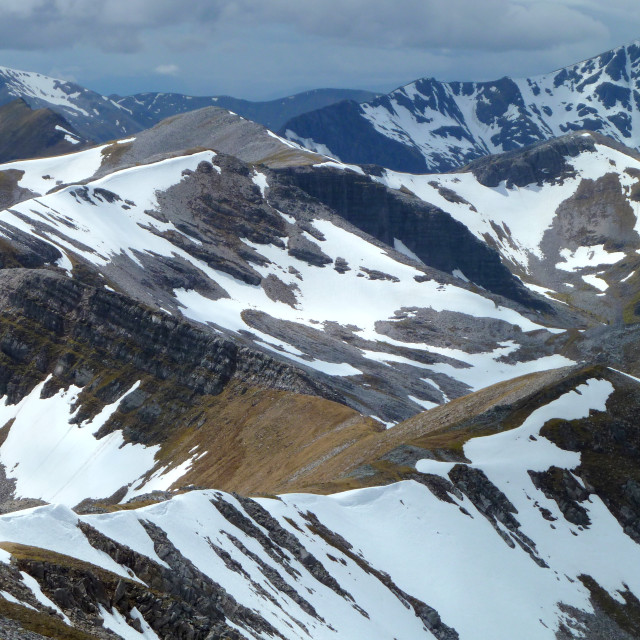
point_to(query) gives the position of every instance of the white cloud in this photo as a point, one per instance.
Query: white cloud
(167, 69)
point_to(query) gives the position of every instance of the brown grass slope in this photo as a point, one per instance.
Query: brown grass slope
(258, 441)
(27, 133)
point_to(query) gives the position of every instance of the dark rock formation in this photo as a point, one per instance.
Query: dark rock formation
(83, 335)
(544, 162)
(434, 236)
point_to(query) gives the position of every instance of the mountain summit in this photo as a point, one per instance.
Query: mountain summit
(104, 118)
(433, 126)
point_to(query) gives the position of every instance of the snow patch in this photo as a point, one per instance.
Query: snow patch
(33, 585)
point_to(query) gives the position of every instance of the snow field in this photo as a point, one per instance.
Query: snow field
(453, 561)
(523, 214)
(53, 460)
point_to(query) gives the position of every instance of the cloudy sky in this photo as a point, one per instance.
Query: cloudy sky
(262, 49)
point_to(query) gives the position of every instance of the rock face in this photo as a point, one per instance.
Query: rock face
(544, 162)
(561, 214)
(432, 126)
(47, 317)
(434, 237)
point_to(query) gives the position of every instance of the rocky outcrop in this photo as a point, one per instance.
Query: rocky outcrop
(103, 341)
(544, 162)
(609, 444)
(27, 133)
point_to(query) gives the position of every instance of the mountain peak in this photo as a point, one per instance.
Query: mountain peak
(433, 126)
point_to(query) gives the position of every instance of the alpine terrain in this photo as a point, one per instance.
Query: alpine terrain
(103, 118)
(251, 390)
(430, 125)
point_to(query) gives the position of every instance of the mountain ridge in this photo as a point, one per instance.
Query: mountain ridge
(433, 126)
(104, 118)
(427, 371)
(25, 133)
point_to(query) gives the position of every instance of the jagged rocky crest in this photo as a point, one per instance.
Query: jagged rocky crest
(430, 126)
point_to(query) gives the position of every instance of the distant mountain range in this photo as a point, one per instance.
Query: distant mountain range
(432, 126)
(103, 118)
(150, 108)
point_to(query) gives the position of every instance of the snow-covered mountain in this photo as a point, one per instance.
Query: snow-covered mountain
(150, 108)
(563, 215)
(206, 237)
(523, 514)
(103, 118)
(432, 126)
(94, 116)
(207, 311)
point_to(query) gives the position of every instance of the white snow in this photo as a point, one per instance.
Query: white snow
(34, 587)
(260, 180)
(7, 596)
(341, 165)
(107, 228)
(595, 281)
(515, 447)
(506, 458)
(451, 560)
(591, 256)
(63, 130)
(425, 404)
(309, 144)
(54, 527)
(356, 301)
(401, 247)
(160, 480)
(628, 277)
(26, 84)
(51, 459)
(101, 231)
(115, 621)
(458, 274)
(517, 218)
(147, 631)
(43, 174)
